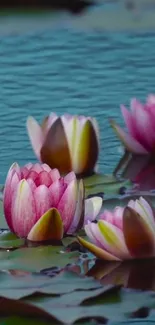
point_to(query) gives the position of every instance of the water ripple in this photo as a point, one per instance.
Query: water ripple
(70, 71)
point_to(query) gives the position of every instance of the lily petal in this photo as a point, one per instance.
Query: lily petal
(86, 153)
(48, 227)
(32, 175)
(9, 189)
(138, 236)
(113, 239)
(47, 123)
(69, 177)
(55, 148)
(118, 217)
(135, 105)
(37, 168)
(70, 125)
(107, 216)
(92, 208)
(129, 142)
(24, 172)
(140, 209)
(98, 252)
(67, 204)
(46, 168)
(35, 134)
(128, 120)
(55, 175)
(23, 209)
(151, 99)
(78, 219)
(131, 204)
(42, 200)
(90, 234)
(96, 128)
(147, 208)
(29, 165)
(43, 178)
(143, 123)
(56, 191)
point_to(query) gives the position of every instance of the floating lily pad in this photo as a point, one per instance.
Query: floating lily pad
(107, 303)
(65, 282)
(107, 184)
(9, 240)
(110, 303)
(111, 203)
(3, 224)
(36, 258)
(69, 240)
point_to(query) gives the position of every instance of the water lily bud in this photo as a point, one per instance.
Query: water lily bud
(69, 143)
(124, 233)
(41, 205)
(140, 123)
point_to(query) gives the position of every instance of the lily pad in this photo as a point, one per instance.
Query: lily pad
(9, 240)
(68, 298)
(3, 224)
(108, 303)
(36, 258)
(107, 184)
(111, 203)
(18, 287)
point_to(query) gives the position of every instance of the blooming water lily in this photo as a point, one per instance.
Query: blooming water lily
(41, 205)
(69, 143)
(124, 233)
(140, 122)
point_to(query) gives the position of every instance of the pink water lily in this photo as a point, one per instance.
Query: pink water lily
(41, 205)
(140, 123)
(69, 143)
(123, 233)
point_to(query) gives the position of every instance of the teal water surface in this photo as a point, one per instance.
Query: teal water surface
(78, 71)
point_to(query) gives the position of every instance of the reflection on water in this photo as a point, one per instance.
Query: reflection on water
(138, 169)
(133, 274)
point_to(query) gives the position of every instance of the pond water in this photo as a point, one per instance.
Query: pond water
(85, 65)
(65, 68)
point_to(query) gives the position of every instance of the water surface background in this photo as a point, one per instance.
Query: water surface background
(78, 71)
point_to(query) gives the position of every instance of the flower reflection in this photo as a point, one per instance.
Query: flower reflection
(138, 169)
(131, 274)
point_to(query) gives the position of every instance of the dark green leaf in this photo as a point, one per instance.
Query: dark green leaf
(128, 303)
(22, 321)
(65, 282)
(78, 297)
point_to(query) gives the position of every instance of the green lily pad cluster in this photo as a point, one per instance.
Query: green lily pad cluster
(58, 286)
(52, 287)
(68, 299)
